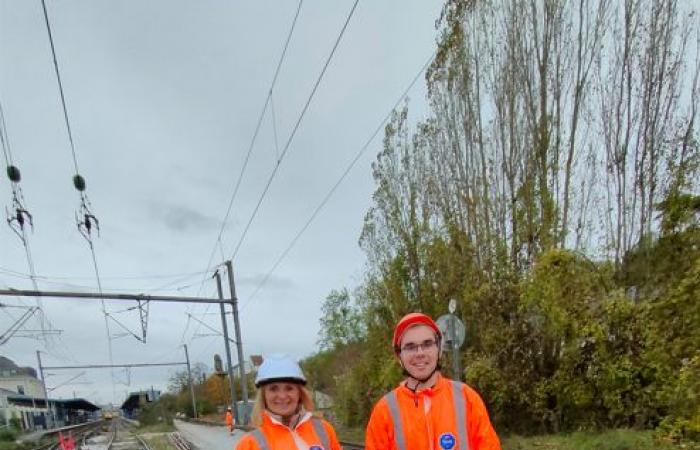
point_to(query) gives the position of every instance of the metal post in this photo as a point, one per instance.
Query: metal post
(224, 327)
(239, 344)
(189, 378)
(49, 411)
(455, 349)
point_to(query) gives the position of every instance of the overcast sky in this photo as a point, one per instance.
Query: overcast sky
(163, 98)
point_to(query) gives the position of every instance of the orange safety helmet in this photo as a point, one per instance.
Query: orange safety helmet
(410, 320)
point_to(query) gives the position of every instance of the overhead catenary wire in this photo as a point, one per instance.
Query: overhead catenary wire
(4, 140)
(294, 130)
(60, 86)
(79, 184)
(335, 186)
(251, 145)
(83, 196)
(18, 199)
(218, 243)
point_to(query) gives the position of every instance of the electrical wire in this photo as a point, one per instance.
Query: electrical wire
(254, 138)
(18, 197)
(4, 139)
(60, 86)
(330, 193)
(251, 145)
(83, 196)
(294, 130)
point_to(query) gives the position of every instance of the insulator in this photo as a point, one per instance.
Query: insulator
(13, 174)
(79, 182)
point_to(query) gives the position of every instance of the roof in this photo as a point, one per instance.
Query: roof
(26, 400)
(135, 399)
(76, 404)
(9, 369)
(73, 404)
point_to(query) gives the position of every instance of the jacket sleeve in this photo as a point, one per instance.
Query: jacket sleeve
(335, 445)
(247, 443)
(482, 435)
(379, 433)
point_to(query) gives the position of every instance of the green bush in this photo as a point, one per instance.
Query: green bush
(8, 434)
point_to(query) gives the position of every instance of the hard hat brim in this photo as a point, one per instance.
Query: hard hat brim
(292, 380)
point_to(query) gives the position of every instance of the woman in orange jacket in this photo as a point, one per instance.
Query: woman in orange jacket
(283, 411)
(427, 411)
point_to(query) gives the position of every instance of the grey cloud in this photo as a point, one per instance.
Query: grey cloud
(274, 282)
(182, 219)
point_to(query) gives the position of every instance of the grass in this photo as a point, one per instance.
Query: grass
(7, 445)
(353, 435)
(608, 440)
(162, 427)
(158, 442)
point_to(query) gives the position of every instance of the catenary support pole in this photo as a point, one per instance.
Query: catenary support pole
(189, 379)
(455, 348)
(227, 346)
(239, 343)
(49, 411)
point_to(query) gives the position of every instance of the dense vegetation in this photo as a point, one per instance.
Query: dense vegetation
(553, 192)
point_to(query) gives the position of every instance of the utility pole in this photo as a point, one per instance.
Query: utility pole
(49, 411)
(239, 344)
(224, 328)
(452, 307)
(189, 378)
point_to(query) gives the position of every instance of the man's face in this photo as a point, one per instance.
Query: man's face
(419, 351)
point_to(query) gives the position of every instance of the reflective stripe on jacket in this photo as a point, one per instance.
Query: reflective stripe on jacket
(311, 433)
(448, 416)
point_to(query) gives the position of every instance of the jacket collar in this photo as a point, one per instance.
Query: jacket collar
(296, 420)
(440, 385)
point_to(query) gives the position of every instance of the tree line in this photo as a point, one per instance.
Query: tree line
(553, 191)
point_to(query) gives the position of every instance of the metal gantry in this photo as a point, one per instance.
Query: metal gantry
(161, 298)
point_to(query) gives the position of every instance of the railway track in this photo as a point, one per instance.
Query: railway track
(78, 433)
(118, 436)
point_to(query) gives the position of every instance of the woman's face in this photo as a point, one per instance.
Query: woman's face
(281, 398)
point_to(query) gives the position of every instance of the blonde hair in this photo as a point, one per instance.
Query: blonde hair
(259, 406)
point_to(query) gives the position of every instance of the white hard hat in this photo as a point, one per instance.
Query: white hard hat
(279, 367)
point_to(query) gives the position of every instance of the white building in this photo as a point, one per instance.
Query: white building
(23, 384)
(26, 396)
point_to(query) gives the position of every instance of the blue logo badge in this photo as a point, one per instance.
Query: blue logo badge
(447, 441)
(316, 447)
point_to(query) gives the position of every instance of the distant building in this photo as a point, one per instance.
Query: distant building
(136, 400)
(21, 380)
(23, 385)
(22, 400)
(21, 396)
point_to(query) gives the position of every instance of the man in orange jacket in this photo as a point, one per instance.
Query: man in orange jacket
(229, 420)
(427, 411)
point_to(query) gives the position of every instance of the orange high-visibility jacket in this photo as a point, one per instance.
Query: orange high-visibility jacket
(310, 432)
(229, 419)
(435, 418)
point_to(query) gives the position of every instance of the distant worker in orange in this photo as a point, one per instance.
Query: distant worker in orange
(427, 410)
(283, 411)
(229, 420)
